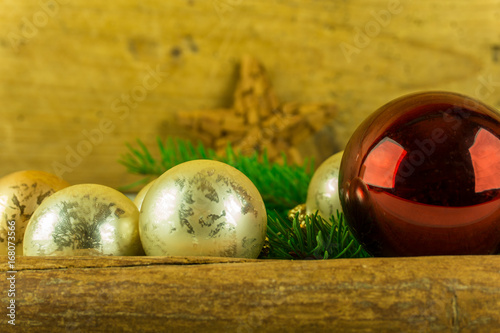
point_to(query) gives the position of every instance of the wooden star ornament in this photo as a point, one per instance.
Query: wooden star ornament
(257, 121)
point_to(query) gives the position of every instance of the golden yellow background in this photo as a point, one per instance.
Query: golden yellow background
(66, 65)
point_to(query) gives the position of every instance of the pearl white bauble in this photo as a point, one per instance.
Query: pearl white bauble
(139, 199)
(85, 219)
(323, 191)
(20, 195)
(203, 208)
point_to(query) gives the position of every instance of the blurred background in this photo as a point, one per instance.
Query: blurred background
(79, 79)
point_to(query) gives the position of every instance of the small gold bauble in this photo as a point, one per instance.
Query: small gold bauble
(85, 219)
(203, 208)
(323, 191)
(298, 211)
(20, 194)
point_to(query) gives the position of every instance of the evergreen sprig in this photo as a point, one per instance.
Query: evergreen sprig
(140, 161)
(319, 239)
(282, 186)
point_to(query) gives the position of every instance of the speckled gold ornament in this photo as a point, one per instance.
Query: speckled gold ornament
(323, 190)
(86, 219)
(139, 198)
(20, 194)
(203, 208)
(298, 211)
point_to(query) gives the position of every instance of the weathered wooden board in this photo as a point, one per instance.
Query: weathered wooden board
(67, 67)
(153, 294)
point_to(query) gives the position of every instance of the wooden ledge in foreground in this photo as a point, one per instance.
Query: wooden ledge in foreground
(162, 294)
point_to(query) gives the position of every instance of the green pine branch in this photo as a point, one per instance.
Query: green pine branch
(320, 239)
(282, 186)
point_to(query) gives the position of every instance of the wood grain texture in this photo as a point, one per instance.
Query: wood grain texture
(67, 68)
(152, 294)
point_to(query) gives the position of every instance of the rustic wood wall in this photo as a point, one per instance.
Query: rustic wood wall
(67, 67)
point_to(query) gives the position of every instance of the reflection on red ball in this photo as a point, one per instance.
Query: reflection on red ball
(421, 176)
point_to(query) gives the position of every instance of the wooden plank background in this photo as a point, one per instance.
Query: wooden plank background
(159, 294)
(65, 66)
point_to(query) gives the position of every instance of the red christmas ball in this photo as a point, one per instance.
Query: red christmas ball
(421, 176)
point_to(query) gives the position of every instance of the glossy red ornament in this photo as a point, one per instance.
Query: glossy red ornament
(421, 176)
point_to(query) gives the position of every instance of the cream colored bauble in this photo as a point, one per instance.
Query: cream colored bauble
(203, 208)
(139, 198)
(323, 190)
(20, 195)
(85, 219)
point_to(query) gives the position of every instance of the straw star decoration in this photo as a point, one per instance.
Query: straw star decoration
(257, 121)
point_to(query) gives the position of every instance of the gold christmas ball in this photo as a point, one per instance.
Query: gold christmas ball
(139, 198)
(323, 190)
(86, 219)
(20, 194)
(203, 208)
